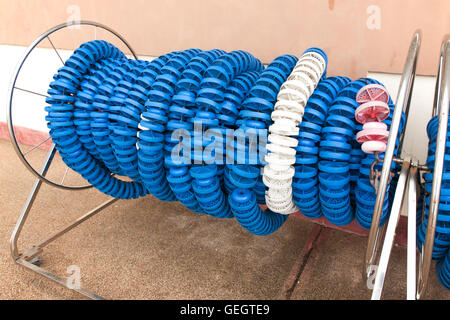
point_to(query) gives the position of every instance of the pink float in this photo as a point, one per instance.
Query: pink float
(372, 134)
(373, 109)
(372, 92)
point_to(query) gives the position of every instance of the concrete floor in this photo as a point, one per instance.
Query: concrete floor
(147, 249)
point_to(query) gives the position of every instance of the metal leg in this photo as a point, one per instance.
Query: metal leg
(411, 248)
(402, 104)
(390, 232)
(440, 108)
(30, 258)
(29, 203)
(441, 105)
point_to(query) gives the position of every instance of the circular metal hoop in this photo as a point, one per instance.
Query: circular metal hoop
(12, 88)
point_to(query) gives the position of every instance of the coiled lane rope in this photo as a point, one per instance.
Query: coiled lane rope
(110, 116)
(442, 234)
(441, 245)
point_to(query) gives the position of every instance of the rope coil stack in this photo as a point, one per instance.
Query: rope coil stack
(306, 184)
(110, 116)
(245, 181)
(443, 270)
(165, 125)
(335, 155)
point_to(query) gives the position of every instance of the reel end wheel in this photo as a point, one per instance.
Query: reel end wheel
(41, 173)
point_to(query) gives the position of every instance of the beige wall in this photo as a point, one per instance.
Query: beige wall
(266, 28)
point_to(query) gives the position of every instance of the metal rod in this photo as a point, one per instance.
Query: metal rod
(390, 232)
(77, 222)
(57, 53)
(22, 259)
(29, 91)
(57, 279)
(423, 168)
(12, 87)
(36, 146)
(440, 108)
(29, 203)
(65, 174)
(411, 244)
(397, 160)
(403, 101)
(437, 87)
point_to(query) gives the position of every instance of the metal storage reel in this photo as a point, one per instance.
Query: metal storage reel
(409, 180)
(30, 258)
(409, 174)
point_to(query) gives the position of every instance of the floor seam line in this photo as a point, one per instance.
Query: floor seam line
(303, 265)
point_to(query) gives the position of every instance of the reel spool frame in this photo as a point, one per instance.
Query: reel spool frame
(31, 257)
(410, 178)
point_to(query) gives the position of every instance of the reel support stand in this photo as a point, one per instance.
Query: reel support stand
(410, 176)
(441, 108)
(375, 174)
(31, 257)
(402, 104)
